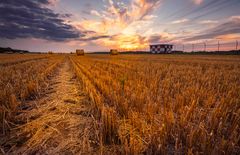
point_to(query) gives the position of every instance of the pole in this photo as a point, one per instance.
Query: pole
(192, 47)
(218, 46)
(183, 47)
(205, 46)
(236, 45)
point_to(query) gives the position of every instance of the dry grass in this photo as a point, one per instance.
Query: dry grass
(58, 122)
(11, 59)
(141, 104)
(21, 82)
(164, 104)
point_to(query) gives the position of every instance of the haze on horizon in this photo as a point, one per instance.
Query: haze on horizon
(98, 25)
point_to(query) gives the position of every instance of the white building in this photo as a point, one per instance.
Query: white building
(161, 48)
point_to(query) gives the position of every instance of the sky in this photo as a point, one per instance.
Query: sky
(100, 25)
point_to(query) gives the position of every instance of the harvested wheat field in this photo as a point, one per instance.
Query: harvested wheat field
(123, 104)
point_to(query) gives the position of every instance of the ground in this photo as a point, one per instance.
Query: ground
(123, 104)
(59, 121)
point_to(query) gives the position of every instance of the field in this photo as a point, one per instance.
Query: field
(123, 104)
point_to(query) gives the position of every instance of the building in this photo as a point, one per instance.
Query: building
(161, 48)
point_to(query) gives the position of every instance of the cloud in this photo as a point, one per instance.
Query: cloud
(208, 22)
(117, 15)
(134, 41)
(235, 18)
(96, 13)
(53, 2)
(91, 38)
(197, 2)
(33, 19)
(120, 23)
(122, 41)
(232, 26)
(127, 41)
(142, 8)
(114, 27)
(150, 17)
(180, 21)
(229, 37)
(160, 38)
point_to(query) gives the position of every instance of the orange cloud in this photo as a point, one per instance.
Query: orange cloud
(118, 16)
(121, 22)
(125, 42)
(228, 37)
(134, 41)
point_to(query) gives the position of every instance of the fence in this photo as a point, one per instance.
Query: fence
(196, 47)
(218, 46)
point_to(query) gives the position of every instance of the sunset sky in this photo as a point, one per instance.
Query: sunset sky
(98, 25)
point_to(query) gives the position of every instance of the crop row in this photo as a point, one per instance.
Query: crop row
(22, 82)
(159, 107)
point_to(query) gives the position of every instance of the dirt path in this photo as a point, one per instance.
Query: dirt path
(60, 123)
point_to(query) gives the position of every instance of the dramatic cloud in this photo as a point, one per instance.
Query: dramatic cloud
(118, 15)
(121, 24)
(33, 19)
(232, 26)
(142, 8)
(135, 41)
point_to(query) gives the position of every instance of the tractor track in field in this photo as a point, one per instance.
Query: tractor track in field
(58, 123)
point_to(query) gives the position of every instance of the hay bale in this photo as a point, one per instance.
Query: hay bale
(113, 52)
(50, 52)
(80, 52)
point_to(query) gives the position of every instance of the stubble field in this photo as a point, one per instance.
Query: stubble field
(130, 104)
